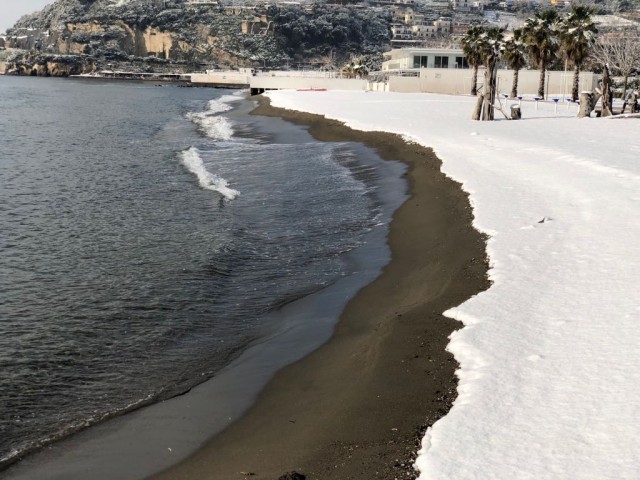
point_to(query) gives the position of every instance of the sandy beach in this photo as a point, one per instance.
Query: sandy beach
(357, 407)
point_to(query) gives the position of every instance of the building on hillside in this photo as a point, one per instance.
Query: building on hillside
(411, 28)
(197, 3)
(423, 32)
(468, 5)
(417, 58)
(401, 32)
(443, 26)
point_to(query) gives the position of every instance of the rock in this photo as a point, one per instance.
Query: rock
(42, 65)
(186, 37)
(293, 476)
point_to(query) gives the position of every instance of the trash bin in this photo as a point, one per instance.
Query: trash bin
(516, 114)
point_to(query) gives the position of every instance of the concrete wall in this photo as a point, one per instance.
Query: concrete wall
(557, 83)
(220, 78)
(293, 83)
(301, 73)
(279, 80)
(457, 82)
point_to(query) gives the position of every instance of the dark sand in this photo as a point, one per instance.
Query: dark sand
(358, 406)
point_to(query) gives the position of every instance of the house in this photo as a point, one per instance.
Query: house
(401, 32)
(416, 58)
(196, 3)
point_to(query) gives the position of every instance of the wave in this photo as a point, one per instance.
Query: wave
(211, 122)
(192, 160)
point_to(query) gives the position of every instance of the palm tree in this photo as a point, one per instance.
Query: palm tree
(490, 47)
(539, 34)
(577, 35)
(515, 53)
(470, 48)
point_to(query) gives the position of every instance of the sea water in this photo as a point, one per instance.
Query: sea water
(147, 236)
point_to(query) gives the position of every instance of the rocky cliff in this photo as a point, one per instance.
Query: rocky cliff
(161, 35)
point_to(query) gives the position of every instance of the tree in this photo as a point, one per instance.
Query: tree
(490, 47)
(622, 54)
(471, 50)
(539, 34)
(607, 93)
(577, 36)
(515, 53)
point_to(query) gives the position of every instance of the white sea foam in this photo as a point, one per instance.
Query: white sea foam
(193, 161)
(214, 126)
(212, 123)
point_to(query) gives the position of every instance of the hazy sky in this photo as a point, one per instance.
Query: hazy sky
(12, 10)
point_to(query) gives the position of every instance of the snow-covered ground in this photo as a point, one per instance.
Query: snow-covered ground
(550, 354)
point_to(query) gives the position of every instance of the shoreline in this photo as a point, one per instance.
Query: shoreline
(151, 439)
(357, 407)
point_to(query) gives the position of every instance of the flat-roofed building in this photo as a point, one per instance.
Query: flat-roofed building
(416, 58)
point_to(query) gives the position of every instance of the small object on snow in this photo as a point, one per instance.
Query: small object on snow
(544, 220)
(293, 476)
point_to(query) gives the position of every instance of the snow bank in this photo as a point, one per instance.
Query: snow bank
(550, 357)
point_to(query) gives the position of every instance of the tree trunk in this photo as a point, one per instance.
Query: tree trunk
(514, 87)
(474, 81)
(586, 104)
(490, 78)
(625, 97)
(494, 87)
(543, 71)
(576, 83)
(607, 97)
(486, 94)
(478, 108)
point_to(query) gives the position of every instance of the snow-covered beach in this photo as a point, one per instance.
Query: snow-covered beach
(548, 356)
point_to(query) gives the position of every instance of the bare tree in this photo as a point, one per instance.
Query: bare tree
(621, 53)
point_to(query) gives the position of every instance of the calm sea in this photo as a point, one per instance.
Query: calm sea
(146, 234)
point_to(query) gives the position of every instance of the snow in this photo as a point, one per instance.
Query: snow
(549, 355)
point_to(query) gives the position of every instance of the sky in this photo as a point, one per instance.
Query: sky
(12, 10)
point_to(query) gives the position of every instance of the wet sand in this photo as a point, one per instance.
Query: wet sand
(357, 407)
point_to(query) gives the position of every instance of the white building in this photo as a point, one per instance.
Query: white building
(401, 32)
(416, 58)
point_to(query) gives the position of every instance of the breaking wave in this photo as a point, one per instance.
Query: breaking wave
(192, 160)
(211, 122)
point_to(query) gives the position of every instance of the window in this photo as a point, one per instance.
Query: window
(420, 61)
(461, 62)
(441, 62)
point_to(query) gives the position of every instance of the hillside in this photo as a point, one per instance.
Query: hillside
(178, 35)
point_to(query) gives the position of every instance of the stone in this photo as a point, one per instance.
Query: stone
(293, 476)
